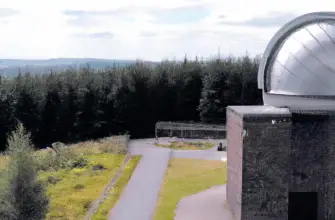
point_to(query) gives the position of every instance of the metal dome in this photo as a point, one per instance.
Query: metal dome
(297, 69)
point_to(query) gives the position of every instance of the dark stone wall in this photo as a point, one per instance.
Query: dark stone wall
(313, 159)
(265, 168)
(307, 158)
(265, 152)
(329, 169)
(281, 153)
(234, 163)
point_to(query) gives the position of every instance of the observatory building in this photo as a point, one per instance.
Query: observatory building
(297, 69)
(281, 156)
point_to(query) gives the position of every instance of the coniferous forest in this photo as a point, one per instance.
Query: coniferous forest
(87, 104)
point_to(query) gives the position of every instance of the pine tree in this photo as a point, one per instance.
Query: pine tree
(214, 99)
(22, 196)
(7, 121)
(68, 114)
(49, 131)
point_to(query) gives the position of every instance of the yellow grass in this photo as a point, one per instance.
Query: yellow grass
(78, 188)
(115, 193)
(185, 177)
(72, 191)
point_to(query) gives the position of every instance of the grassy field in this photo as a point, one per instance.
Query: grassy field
(178, 145)
(185, 177)
(71, 192)
(78, 174)
(117, 190)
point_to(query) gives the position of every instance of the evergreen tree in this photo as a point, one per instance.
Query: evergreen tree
(7, 120)
(50, 121)
(68, 114)
(22, 194)
(190, 93)
(88, 124)
(26, 111)
(214, 99)
(87, 104)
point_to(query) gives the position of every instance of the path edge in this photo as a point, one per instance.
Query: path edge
(96, 204)
(162, 182)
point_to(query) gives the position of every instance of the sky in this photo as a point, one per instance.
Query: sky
(144, 29)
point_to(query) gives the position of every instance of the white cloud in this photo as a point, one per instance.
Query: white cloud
(131, 29)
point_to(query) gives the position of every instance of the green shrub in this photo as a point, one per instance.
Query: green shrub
(65, 158)
(97, 167)
(79, 162)
(22, 196)
(79, 186)
(46, 160)
(53, 180)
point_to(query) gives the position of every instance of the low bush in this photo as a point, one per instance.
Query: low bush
(78, 162)
(114, 144)
(97, 167)
(53, 180)
(79, 186)
(65, 158)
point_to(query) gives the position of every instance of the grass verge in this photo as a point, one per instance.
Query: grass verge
(177, 145)
(116, 191)
(72, 191)
(185, 177)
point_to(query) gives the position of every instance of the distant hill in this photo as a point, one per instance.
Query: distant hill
(11, 67)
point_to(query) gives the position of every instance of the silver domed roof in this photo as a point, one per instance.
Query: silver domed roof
(298, 65)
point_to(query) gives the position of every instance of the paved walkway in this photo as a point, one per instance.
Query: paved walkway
(139, 198)
(209, 204)
(138, 147)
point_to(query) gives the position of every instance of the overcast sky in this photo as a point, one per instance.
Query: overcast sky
(145, 29)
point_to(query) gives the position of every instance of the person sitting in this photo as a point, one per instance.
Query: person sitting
(220, 148)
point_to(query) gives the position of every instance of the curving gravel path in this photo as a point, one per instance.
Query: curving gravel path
(139, 198)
